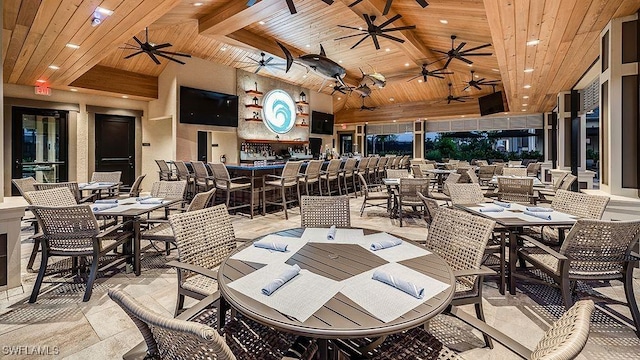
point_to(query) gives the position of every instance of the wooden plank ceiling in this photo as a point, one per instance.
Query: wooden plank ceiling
(228, 32)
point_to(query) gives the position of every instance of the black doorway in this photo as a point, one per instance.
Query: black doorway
(315, 145)
(115, 145)
(39, 145)
(203, 146)
(346, 142)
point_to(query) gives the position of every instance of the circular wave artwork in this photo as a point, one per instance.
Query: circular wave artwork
(279, 111)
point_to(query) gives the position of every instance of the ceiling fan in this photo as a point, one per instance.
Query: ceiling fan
(425, 73)
(387, 6)
(457, 53)
(292, 7)
(451, 98)
(152, 49)
(364, 107)
(376, 30)
(262, 63)
(478, 83)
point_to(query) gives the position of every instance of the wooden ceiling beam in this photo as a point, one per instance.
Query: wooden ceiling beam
(118, 81)
(235, 15)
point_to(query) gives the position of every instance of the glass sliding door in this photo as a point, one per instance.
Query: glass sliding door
(39, 144)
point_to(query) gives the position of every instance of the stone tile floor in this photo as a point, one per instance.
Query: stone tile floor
(62, 326)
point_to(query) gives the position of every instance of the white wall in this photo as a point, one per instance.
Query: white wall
(227, 145)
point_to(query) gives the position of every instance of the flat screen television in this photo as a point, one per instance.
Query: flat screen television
(208, 107)
(321, 123)
(491, 104)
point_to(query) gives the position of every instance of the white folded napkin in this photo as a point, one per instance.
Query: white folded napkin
(270, 245)
(541, 215)
(491, 209)
(282, 279)
(331, 234)
(538, 209)
(100, 207)
(409, 288)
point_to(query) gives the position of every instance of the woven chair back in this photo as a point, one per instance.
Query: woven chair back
(473, 178)
(162, 165)
(499, 168)
(24, 185)
(362, 165)
(169, 338)
(425, 167)
(512, 163)
(382, 163)
(453, 161)
(465, 194)
(397, 174)
(203, 237)
(417, 161)
(431, 208)
(451, 166)
(201, 200)
(451, 179)
(514, 171)
(568, 181)
(350, 166)
(313, 169)
(291, 170)
(482, 163)
(57, 196)
(219, 171)
(333, 167)
(136, 187)
(532, 169)
(106, 176)
(515, 189)
(460, 239)
(598, 247)
(183, 171)
(200, 170)
(373, 162)
(557, 182)
(325, 211)
(363, 184)
(463, 170)
(409, 189)
(485, 172)
(417, 172)
(566, 337)
(173, 190)
(71, 185)
(463, 164)
(584, 206)
(68, 228)
(404, 162)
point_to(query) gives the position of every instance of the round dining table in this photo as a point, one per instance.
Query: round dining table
(340, 317)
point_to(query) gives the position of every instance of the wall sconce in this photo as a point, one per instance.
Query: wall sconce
(255, 100)
(303, 96)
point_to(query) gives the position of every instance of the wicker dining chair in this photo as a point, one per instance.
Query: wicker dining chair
(408, 194)
(381, 167)
(164, 172)
(25, 184)
(311, 176)
(417, 171)
(372, 165)
(325, 211)
(224, 183)
(171, 190)
(71, 185)
(462, 194)
(431, 208)
(362, 167)
(533, 168)
(507, 171)
(197, 337)
(518, 190)
(499, 168)
(108, 177)
(372, 193)
(444, 195)
(397, 174)
(136, 188)
(348, 172)
(567, 181)
(514, 163)
(485, 173)
(202, 179)
(183, 174)
(288, 180)
(204, 238)
(331, 175)
(74, 231)
(404, 162)
(593, 250)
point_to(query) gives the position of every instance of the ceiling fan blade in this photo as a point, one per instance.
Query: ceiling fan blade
(355, 3)
(367, 19)
(269, 59)
(346, 37)
(172, 53)
(387, 7)
(465, 60)
(258, 69)
(438, 72)
(389, 21)
(134, 54)
(460, 46)
(392, 38)
(361, 40)
(477, 87)
(328, 2)
(408, 27)
(465, 88)
(292, 8)
(478, 47)
(422, 3)
(439, 51)
(170, 58)
(137, 40)
(490, 82)
(350, 27)
(481, 80)
(342, 91)
(476, 54)
(438, 75)
(154, 58)
(375, 41)
(447, 63)
(413, 78)
(162, 46)
(459, 100)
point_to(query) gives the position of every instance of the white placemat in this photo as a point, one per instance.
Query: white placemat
(556, 216)
(266, 256)
(396, 253)
(119, 208)
(343, 236)
(384, 301)
(300, 297)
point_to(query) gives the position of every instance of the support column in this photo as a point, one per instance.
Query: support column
(418, 139)
(619, 107)
(564, 130)
(360, 140)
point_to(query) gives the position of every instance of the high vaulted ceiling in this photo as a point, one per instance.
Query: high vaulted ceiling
(35, 33)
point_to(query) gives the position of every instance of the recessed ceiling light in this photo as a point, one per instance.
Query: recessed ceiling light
(443, 21)
(395, 120)
(339, 98)
(261, 22)
(360, 28)
(524, 109)
(387, 49)
(525, 104)
(366, 123)
(419, 80)
(125, 97)
(224, 48)
(340, 61)
(53, 67)
(469, 65)
(104, 11)
(496, 70)
(406, 64)
(198, 4)
(528, 70)
(476, 76)
(527, 86)
(392, 99)
(525, 97)
(304, 76)
(73, 46)
(308, 45)
(533, 42)
(41, 81)
(74, 90)
(505, 113)
(461, 115)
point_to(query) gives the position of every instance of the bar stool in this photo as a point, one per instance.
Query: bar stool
(225, 183)
(184, 174)
(381, 167)
(371, 169)
(332, 174)
(289, 179)
(202, 178)
(312, 175)
(348, 172)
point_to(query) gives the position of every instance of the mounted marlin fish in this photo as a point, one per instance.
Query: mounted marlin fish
(319, 63)
(375, 79)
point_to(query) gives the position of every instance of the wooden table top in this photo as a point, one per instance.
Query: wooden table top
(340, 317)
(133, 211)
